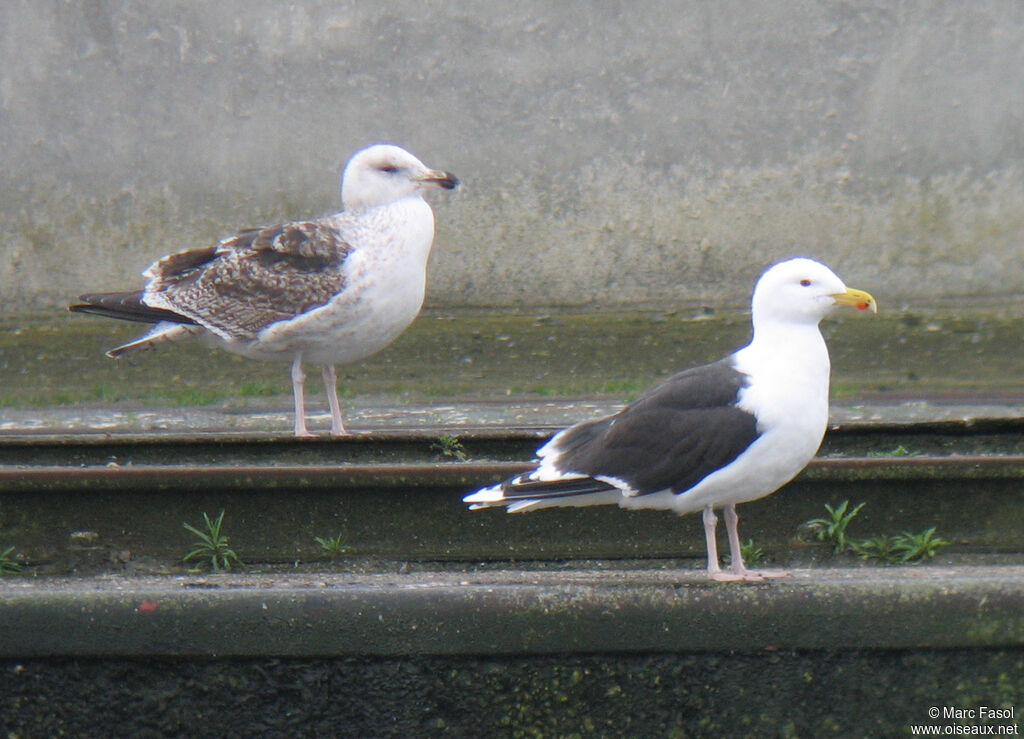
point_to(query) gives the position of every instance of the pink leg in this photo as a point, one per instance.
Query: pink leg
(740, 570)
(710, 524)
(732, 521)
(298, 380)
(714, 569)
(331, 386)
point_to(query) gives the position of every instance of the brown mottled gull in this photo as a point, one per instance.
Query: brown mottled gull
(327, 291)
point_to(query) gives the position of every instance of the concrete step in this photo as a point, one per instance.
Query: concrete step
(571, 609)
(579, 651)
(114, 518)
(112, 502)
(440, 621)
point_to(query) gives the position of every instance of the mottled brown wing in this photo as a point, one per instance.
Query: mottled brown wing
(256, 278)
(183, 264)
(310, 243)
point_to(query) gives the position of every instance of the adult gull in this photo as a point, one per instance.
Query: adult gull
(712, 436)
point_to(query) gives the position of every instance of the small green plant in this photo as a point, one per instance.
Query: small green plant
(902, 548)
(919, 547)
(898, 451)
(333, 546)
(212, 545)
(752, 554)
(905, 548)
(832, 530)
(450, 446)
(8, 565)
(882, 547)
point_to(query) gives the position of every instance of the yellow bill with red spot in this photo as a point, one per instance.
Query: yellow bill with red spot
(856, 299)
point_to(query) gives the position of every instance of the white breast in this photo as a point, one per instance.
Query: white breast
(385, 282)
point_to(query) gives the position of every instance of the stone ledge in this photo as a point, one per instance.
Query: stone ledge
(510, 612)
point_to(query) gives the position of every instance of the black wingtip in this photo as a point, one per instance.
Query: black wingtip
(126, 306)
(523, 488)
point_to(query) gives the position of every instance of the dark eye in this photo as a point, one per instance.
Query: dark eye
(805, 283)
(389, 168)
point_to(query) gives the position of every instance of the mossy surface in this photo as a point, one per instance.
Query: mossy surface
(57, 359)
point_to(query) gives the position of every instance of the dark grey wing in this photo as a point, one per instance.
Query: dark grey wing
(672, 437)
(254, 279)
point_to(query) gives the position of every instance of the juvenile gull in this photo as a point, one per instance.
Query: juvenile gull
(327, 291)
(709, 437)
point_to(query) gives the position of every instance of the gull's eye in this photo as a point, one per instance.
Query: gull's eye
(805, 282)
(389, 168)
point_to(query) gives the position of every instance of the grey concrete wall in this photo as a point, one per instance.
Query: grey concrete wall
(612, 152)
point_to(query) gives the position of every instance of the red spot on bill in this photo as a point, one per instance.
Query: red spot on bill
(147, 606)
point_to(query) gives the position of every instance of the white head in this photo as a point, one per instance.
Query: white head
(802, 291)
(383, 174)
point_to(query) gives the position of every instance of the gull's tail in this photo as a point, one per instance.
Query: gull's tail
(524, 493)
(128, 306)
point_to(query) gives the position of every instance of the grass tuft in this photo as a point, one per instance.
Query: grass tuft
(8, 565)
(212, 545)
